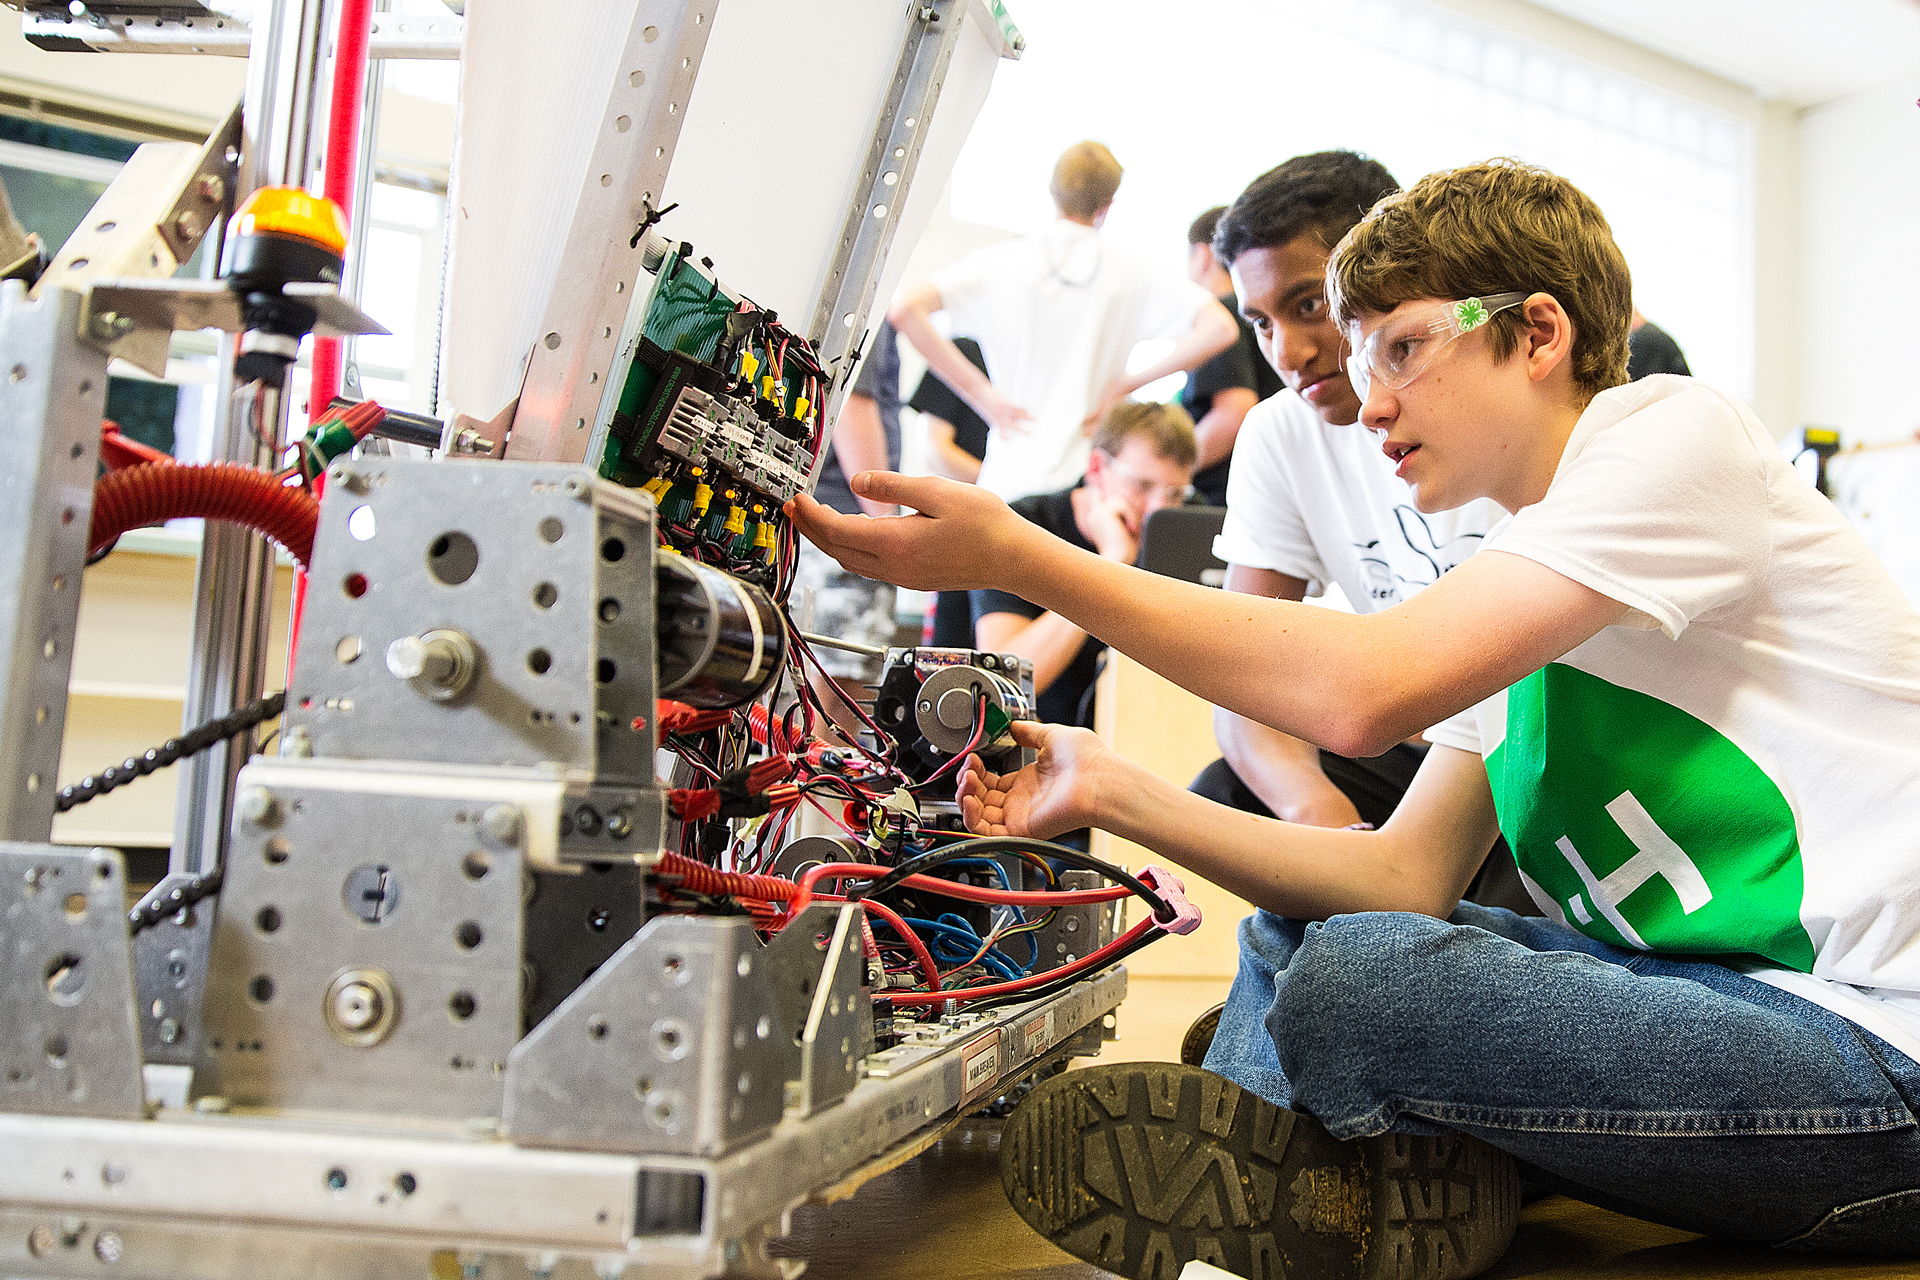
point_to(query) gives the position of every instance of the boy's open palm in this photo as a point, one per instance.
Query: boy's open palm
(1051, 795)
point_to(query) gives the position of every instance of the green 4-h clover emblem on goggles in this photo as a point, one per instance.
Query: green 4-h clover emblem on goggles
(1402, 348)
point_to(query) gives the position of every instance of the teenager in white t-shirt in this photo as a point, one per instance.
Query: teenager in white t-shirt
(1056, 316)
(1691, 701)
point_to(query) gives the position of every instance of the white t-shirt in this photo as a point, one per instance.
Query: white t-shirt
(1734, 766)
(1056, 316)
(1321, 503)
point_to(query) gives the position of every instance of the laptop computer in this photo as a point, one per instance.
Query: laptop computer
(1178, 542)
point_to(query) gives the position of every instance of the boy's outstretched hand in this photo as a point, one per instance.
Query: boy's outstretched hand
(960, 535)
(1058, 792)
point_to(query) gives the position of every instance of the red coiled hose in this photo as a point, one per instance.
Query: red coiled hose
(226, 491)
(702, 878)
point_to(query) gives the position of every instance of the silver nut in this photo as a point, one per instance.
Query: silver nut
(501, 824)
(188, 225)
(259, 807)
(212, 188)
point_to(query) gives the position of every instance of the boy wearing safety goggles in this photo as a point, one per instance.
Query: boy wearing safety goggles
(1676, 680)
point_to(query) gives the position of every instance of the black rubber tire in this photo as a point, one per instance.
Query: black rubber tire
(1142, 1167)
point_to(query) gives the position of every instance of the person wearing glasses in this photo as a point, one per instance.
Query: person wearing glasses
(1142, 460)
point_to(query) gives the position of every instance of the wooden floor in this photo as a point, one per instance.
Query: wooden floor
(941, 1216)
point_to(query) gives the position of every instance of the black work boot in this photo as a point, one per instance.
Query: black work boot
(1142, 1167)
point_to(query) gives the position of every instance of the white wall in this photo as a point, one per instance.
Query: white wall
(1775, 244)
(1859, 189)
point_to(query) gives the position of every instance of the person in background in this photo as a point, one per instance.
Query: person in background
(956, 439)
(844, 604)
(1219, 393)
(956, 435)
(1057, 314)
(1651, 349)
(1142, 460)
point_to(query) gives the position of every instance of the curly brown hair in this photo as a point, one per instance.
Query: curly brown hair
(1497, 227)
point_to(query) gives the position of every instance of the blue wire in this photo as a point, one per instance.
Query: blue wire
(956, 942)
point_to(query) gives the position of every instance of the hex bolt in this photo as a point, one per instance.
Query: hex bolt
(107, 1247)
(259, 807)
(501, 824)
(212, 188)
(187, 225)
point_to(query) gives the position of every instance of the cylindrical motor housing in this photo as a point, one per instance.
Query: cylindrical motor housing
(721, 639)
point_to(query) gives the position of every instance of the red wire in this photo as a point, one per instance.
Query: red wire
(1098, 959)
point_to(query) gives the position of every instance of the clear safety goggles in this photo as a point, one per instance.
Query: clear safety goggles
(1402, 348)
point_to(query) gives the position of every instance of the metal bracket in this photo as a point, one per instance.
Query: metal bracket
(580, 332)
(133, 318)
(66, 984)
(377, 977)
(170, 975)
(53, 392)
(816, 976)
(164, 30)
(874, 215)
(673, 1046)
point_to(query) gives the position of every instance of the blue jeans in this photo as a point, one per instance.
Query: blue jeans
(1677, 1091)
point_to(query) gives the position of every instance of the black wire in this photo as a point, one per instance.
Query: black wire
(986, 845)
(187, 744)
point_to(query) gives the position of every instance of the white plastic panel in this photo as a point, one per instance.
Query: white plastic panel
(776, 134)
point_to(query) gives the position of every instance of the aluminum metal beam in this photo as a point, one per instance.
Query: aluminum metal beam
(579, 335)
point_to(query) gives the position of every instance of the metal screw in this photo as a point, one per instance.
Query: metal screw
(542, 1265)
(298, 744)
(169, 1031)
(109, 325)
(619, 825)
(259, 807)
(107, 1247)
(33, 878)
(112, 1174)
(187, 225)
(574, 486)
(40, 1241)
(501, 824)
(213, 188)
